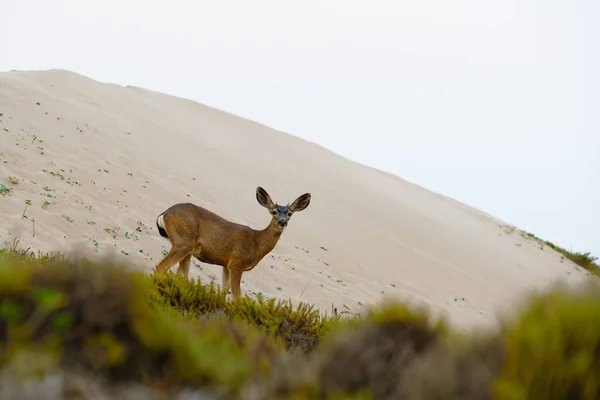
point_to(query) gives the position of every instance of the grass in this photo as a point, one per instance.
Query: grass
(118, 331)
(301, 327)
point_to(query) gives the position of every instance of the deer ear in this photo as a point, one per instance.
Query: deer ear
(263, 198)
(300, 203)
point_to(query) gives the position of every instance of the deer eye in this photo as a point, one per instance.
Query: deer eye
(289, 214)
(274, 212)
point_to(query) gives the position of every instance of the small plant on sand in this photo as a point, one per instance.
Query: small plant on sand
(4, 189)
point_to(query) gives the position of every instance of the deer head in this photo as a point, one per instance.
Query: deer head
(281, 214)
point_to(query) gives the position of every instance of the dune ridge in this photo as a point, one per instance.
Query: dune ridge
(98, 162)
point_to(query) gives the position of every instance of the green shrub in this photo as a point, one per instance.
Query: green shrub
(97, 317)
(553, 349)
(111, 327)
(364, 358)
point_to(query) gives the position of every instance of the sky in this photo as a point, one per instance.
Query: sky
(494, 103)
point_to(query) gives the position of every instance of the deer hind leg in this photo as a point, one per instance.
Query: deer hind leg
(176, 254)
(184, 266)
(225, 282)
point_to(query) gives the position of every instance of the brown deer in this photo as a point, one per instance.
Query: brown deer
(195, 231)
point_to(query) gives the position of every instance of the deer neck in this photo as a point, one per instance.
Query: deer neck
(268, 237)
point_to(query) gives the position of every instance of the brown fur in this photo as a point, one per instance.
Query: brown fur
(195, 231)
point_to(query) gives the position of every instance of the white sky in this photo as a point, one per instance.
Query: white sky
(495, 103)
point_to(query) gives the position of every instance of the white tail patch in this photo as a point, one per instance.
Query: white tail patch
(160, 221)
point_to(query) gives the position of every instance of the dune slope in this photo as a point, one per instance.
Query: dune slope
(98, 162)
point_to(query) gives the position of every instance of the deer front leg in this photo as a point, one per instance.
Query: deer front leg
(225, 282)
(235, 277)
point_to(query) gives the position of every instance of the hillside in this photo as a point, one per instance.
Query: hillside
(98, 162)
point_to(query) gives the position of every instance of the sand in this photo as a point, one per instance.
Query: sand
(99, 162)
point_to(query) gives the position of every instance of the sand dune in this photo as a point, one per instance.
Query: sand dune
(99, 162)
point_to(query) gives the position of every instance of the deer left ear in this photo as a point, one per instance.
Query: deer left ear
(300, 203)
(263, 198)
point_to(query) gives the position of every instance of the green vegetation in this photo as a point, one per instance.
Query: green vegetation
(553, 350)
(124, 334)
(585, 260)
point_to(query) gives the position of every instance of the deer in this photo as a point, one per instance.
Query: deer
(212, 239)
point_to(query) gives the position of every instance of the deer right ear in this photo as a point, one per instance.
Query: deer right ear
(263, 198)
(300, 203)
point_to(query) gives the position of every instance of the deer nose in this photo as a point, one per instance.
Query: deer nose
(282, 222)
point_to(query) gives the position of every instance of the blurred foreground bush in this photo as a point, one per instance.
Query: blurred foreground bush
(77, 330)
